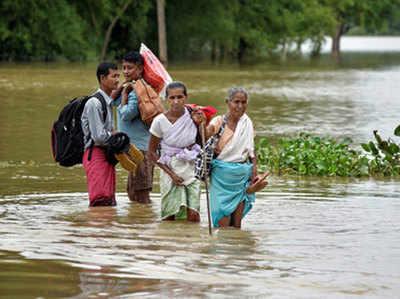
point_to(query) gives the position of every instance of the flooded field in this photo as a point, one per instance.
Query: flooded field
(305, 237)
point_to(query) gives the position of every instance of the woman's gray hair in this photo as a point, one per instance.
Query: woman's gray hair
(234, 90)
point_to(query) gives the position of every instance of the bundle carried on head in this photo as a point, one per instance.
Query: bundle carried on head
(154, 72)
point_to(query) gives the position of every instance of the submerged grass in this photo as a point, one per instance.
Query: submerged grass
(324, 156)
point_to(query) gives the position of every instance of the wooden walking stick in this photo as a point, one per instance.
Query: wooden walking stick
(203, 141)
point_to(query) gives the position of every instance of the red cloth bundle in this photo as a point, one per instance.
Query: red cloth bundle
(207, 110)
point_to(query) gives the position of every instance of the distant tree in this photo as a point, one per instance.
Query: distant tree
(40, 30)
(393, 25)
(311, 24)
(198, 28)
(113, 27)
(133, 28)
(118, 14)
(267, 28)
(162, 33)
(252, 30)
(104, 15)
(346, 14)
(93, 29)
(242, 28)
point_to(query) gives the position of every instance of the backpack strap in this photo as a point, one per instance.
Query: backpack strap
(98, 96)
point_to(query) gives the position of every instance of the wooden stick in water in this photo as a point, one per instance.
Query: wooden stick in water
(205, 178)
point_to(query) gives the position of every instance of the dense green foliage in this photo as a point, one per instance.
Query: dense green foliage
(219, 29)
(370, 14)
(311, 155)
(70, 29)
(40, 30)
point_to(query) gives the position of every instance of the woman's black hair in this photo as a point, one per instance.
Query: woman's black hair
(134, 57)
(176, 84)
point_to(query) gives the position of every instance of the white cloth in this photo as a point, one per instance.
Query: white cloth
(181, 133)
(160, 125)
(241, 146)
(176, 138)
(183, 169)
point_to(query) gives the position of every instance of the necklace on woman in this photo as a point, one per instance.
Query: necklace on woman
(231, 122)
(173, 116)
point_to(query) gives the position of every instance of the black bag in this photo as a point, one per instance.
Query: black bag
(66, 134)
(116, 144)
(199, 171)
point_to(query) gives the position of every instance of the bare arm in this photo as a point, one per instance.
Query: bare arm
(117, 92)
(210, 129)
(199, 118)
(254, 169)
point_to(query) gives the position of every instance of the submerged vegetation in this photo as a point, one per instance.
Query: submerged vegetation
(324, 156)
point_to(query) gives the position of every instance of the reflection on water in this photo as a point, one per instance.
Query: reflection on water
(306, 237)
(33, 278)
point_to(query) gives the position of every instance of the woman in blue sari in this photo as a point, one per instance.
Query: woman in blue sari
(234, 179)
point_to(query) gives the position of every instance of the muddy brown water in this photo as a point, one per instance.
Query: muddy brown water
(305, 237)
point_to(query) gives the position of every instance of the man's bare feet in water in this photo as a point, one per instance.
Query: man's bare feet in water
(259, 183)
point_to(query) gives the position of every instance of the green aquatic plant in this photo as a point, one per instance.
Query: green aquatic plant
(385, 155)
(311, 155)
(397, 131)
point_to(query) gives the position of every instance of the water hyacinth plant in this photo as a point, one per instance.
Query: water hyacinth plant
(324, 156)
(311, 155)
(385, 153)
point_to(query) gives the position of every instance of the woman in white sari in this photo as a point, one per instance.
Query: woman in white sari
(176, 132)
(233, 179)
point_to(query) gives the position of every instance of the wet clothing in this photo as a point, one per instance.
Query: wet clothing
(228, 183)
(230, 172)
(100, 174)
(100, 178)
(143, 178)
(175, 199)
(129, 121)
(178, 151)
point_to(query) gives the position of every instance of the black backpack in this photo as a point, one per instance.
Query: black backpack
(66, 134)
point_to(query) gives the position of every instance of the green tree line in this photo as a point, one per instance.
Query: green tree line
(83, 30)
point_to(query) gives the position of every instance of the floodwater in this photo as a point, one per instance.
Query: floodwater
(305, 237)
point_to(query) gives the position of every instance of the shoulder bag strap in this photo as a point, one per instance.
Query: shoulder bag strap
(221, 129)
(98, 96)
(103, 104)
